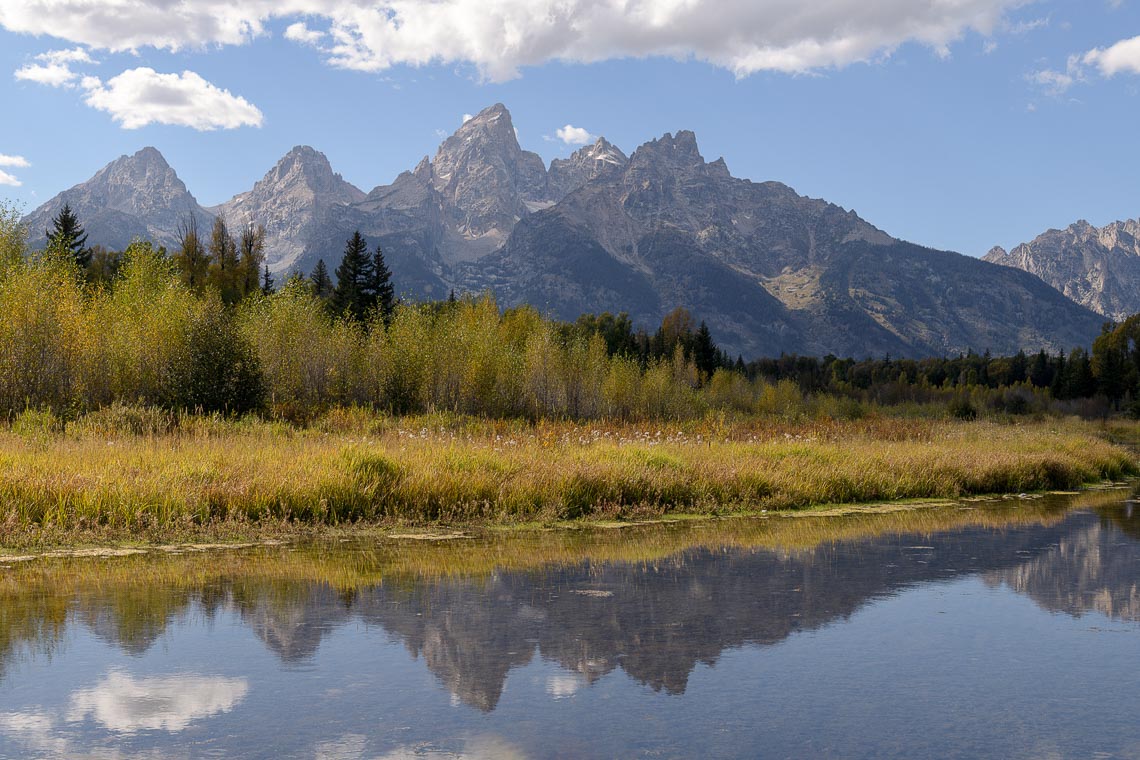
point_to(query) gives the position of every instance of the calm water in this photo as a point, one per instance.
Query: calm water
(1004, 631)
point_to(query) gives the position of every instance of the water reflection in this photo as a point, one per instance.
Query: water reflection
(126, 705)
(473, 613)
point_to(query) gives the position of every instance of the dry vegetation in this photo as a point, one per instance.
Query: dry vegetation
(140, 473)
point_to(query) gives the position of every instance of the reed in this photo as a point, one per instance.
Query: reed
(151, 476)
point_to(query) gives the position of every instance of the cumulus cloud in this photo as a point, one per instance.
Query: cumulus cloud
(299, 32)
(142, 96)
(572, 135)
(467, 117)
(17, 162)
(499, 37)
(54, 67)
(1123, 57)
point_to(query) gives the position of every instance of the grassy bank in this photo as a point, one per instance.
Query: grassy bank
(206, 477)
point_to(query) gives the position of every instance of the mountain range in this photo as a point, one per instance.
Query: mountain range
(770, 271)
(1098, 267)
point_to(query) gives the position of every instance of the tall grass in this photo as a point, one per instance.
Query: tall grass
(181, 472)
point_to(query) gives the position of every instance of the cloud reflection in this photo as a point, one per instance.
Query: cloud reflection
(125, 704)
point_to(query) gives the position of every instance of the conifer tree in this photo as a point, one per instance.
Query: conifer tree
(381, 292)
(350, 295)
(320, 282)
(67, 234)
(266, 282)
(705, 354)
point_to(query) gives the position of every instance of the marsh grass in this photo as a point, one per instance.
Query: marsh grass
(136, 473)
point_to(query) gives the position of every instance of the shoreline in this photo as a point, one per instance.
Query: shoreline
(240, 482)
(409, 535)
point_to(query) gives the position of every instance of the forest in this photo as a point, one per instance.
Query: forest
(205, 329)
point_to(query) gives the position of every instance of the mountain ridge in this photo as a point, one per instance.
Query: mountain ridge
(769, 270)
(1098, 267)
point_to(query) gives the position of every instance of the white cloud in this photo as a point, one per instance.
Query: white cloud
(54, 68)
(18, 162)
(572, 135)
(1053, 82)
(467, 117)
(142, 96)
(1123, 57)
(499, 37)
(299, 32)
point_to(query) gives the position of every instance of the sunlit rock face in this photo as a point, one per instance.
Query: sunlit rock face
(1098, 267)
(290, 201)
(137, 196)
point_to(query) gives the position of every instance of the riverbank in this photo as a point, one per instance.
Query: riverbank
(207, 479)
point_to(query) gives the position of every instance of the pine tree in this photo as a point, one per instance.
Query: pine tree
(266, 283)
(320, 282)
(67, 234)
(381, 292)
(350, 296)
(191, 261)
(705, 354)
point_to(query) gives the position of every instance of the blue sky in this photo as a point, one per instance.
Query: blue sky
(959, 124)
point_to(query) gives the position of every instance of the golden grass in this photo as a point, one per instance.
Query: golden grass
(356, 468)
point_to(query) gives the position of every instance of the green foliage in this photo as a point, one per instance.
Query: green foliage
(13, 238)
(217, 369)
(350, 296)
(67, 236)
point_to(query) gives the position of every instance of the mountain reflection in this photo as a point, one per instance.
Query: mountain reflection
(654, 619)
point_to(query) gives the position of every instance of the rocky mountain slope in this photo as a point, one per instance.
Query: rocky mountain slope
(1097, 267)
(769, 270)
(290, 201)
(137, 196)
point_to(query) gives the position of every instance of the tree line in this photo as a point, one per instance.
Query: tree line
(208, 329)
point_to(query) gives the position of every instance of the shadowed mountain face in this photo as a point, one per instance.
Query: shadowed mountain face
(770, 271)
(655, 621)
(1097, 267)
(137, 196)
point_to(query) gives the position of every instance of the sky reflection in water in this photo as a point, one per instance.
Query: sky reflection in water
(1009, 634)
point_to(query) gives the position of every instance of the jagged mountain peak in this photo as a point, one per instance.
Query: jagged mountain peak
(585, 164)
(1098, 267)
(135, 196)
(679, 151)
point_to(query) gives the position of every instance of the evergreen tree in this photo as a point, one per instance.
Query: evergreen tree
(67, 234)
(266, 283)
(350, 296)
(381, 292)
(320, 282)
(191, 261)
(705, 354)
